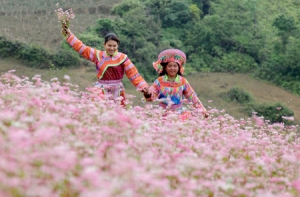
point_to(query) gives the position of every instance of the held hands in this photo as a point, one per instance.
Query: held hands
(147, 95)
(146, 92)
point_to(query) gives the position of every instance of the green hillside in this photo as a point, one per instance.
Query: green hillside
(253, 46)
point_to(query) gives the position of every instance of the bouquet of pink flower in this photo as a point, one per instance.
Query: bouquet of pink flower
(64, 17)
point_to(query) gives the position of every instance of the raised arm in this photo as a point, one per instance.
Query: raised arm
(87, 52)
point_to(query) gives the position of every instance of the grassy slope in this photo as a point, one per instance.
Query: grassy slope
(34, 21)
(210, 85)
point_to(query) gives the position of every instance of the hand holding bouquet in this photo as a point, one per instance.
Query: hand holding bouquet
(64, 18)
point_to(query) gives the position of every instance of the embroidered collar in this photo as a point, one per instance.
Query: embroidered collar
(166, 78)
(114, 55)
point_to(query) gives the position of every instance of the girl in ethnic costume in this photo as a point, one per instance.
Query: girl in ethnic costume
(170, 86)
(110, 65)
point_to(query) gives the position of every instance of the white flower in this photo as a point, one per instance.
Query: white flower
(67, 77)
(290, 118)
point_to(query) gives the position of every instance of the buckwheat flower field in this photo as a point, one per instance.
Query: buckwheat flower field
(58, 141)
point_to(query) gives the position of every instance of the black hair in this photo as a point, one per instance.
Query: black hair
(111, 36)
(164, 72)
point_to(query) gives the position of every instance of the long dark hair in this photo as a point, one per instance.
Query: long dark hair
(111, 36)
(164, 72)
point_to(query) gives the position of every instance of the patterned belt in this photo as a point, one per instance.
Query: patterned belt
(109, 81)
(177, 107)
(112, 87)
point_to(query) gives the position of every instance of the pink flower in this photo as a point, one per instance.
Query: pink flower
(290, 118)
(258, 121)
(296, 185)
(55, 139)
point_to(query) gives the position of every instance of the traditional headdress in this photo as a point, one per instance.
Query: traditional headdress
(170, 55)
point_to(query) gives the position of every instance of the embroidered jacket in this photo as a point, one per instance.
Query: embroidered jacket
(176, 91)
(109, 67)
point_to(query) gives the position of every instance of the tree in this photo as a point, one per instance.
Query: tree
(286, 27)
(105, 26)
(125, 6)
(195, 11)
(171, 13)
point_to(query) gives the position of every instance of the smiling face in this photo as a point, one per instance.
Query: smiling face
(172, 69)
(111, 47)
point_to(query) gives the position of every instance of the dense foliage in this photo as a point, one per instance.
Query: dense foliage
(220, 36)
(237, 94)
(273, 112)
(37, 56)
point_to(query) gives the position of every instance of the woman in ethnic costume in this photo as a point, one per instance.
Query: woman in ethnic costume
(171, 86)
(110, 65)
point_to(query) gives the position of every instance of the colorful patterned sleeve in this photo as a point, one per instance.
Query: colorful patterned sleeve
(85, 51)
(191, 95)
(154, 90)
(133, 75)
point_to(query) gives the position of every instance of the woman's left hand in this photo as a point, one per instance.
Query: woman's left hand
(65, 30)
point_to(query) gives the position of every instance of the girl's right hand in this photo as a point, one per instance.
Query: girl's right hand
(205, 114)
